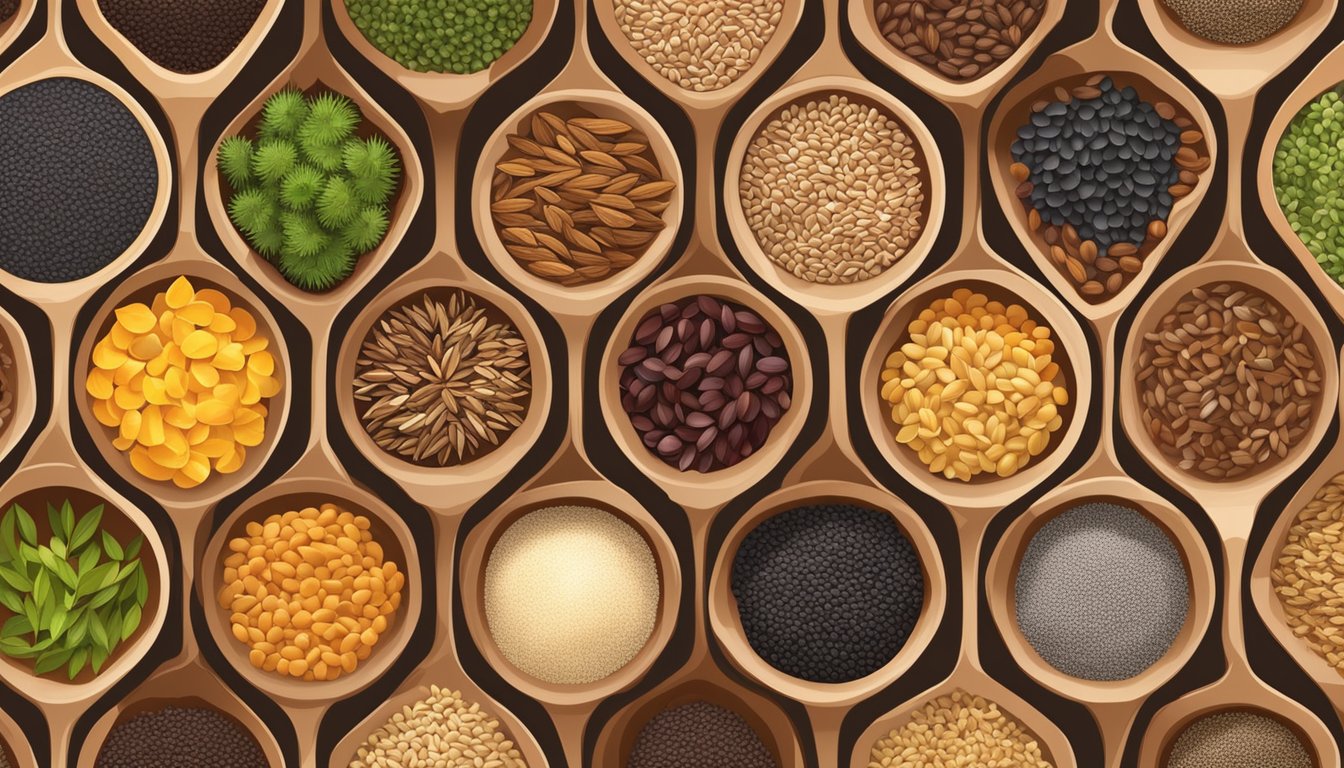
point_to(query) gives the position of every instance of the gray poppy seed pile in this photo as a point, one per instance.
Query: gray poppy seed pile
(180, 737)
(699, 735)
(1234, 22)
(1101, 592)
(1238, 739)
(828, 593)
(78, 180)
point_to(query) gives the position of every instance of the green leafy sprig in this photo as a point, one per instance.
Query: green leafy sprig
(75, 598)
(308, 193)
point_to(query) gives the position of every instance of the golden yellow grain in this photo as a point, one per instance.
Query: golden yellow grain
(962, 730)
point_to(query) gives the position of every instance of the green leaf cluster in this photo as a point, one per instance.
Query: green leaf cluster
(75, 598)
(308, 193)
(1309, 180)
(451, 36)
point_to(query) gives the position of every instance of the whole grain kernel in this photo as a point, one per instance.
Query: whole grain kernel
(832, 190)
(184, 383)
(309, 591)
(974, 388)
(1238, 739)
(1228, 381)
(1308, 574)
(962, 730)
(442, 730)
(960, 40)
(700, 45)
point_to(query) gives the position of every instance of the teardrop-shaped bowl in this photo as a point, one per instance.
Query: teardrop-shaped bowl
(1171, 721)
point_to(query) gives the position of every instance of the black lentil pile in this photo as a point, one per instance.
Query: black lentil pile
(187, 36)
(180, 737)
(77, 180)
(7, 10)
(828, 593)
(699, 735)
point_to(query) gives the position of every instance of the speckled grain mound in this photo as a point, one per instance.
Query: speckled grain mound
(1238, 740)
(7, 10)
(187, 36)
(180, 737)
(699, 735)
(1234, 22)
(77, 180)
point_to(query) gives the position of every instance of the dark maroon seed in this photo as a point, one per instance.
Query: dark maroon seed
(732, 386)
(685, 328)
(727, 319)
(712, 401)
(632, 355)
(646, 398)
(689, 311)
(699, 420)
(772, 364)
(728, 415)
(745, 359)
(769, 409)
(709, 305)
(735, 435)
(707, 438)
(706, 334)
(687, 458)
(689, 400)
(720, 363)
(753, 408)
(761, 346)
(648, 329)
(749, 322)
(711, 383)
(672, 353)
(669, 445)
(736, 340)
(669, 313)
(772, 385)
(663, 339)
(690, 376)
(641, 423)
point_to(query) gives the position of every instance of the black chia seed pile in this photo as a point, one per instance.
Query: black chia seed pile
(1102, 164)
(180, 737)
(828, 593)
(699, 735)
(77, 180)
(187, 36)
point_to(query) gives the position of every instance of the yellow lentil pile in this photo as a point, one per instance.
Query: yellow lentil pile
(1308, 575)
(184, 383)
(959, 729)
(973, 388)
(309, 591)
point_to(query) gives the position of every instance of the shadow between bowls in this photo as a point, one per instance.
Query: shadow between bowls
(577, 300)
(823, 297)
(693, 489)
(1067, 70)
(142, 287)
(18, 379)
(726, 621)
(983, 492)
(446, 91)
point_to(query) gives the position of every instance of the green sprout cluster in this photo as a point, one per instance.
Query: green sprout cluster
(1309, 180)
(308, 193)
(456, 36)
(73, 599)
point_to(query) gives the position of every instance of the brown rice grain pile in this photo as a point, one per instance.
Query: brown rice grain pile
(446, 380)
(961, 730)
(832, 190)
(1227, 381)
(440, 731)
(1308, 574)
(701, 45)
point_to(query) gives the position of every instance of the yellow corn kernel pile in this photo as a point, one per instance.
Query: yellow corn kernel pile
(972, 390)
(184, 382)
(309, 592)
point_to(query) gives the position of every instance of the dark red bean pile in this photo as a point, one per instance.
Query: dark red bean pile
(187, 36)
(828, 593)
(699, 735)
(704, 381)
(180, 737)
(7, 9)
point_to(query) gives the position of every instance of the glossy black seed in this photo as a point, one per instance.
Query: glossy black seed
(828, 593)
(180, 737)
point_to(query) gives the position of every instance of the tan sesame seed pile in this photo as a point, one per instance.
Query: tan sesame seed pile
(441, 731)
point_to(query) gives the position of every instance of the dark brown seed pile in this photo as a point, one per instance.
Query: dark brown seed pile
(962, 39)
(7, 10)
(699, 735)
(1234, 22)
(1228, 381)
(704, 381)
(180, 737)
(577, 200)
(6, 387)
(828, 593)
(187, 36)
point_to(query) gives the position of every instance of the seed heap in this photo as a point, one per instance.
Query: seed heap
(1308, 177)
(185, 383)
(962, 40)
(7, 10)
(962, 730)
(173, 737)
(1228, 381)
(973, 387)
(309, 592)
(701, 45)
(699, 735)
(1308, 574)
(78, 180)
(446, 381)
(187, 36)
(1101, 592)
(565, 624)
(1238, 739)
(703, 381)
(6, 385)
(441, 731)
(1234, 22)
(831, 189)
(451, 36)
(1098, 171)
(846, 568)
(577, 200)
(4, 756)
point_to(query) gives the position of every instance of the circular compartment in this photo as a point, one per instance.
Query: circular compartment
(142, 287)
(1164, 733)
(1057, 254)
(1005, 565)
(177, 55)
(388, 530)
(726, 621)
(577, 299)
(983, 490)
(824, 296)
(221, 703)
(479, 546)
(749, 470)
